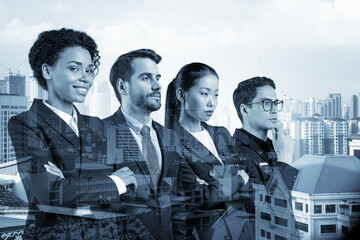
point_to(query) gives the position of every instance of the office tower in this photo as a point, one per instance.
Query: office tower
(35, 90)
(2, 86)
(17, 84)
(10, 105)
(315, 205)
(354, 103)
(334, 105)
(312, 136)
(336, 132)
(346, 112)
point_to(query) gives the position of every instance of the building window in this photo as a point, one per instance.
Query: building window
(306, 208)
(277, 237)
(262, 232)
(301, 226)
(298, 206)
(268, 235)
(281, 221)
(268, 199)
(317, 209)
(261, 199)
(355, 208)
(344, 230)
(330, 208)
(280, 202)
(265, 216)
(328, 228)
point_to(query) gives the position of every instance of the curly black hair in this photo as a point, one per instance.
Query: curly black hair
(50, 44)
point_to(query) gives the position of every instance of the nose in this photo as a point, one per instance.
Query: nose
(273, 109)
(211, 101)
(84, 77)
(156, 85)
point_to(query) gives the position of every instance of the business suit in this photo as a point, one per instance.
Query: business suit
(158, 200)
(40, 136)
(256, 152)
(220, 194)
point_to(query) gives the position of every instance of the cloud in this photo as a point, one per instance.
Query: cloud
(19, 32)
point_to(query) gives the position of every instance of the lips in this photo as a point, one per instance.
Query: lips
(82, 90)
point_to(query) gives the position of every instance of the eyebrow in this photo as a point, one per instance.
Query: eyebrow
(80, 63)
(149, 75)
(208, 89)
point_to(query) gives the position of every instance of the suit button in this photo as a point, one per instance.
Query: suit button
(156, 211)
(227, 237)
(212, 173)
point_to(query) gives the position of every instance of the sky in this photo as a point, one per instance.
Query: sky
(310, 48)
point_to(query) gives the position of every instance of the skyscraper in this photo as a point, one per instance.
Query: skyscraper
(17, 84)
(334, 105)
(10, 105)
(354, 103)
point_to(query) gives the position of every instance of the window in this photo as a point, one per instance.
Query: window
(265, 216)
(268, 199)
(280, 202)
(355, 208)
(268, 235)
(301, 226)
(262, 232)
(344, 230)
(330, 208)
(277, 237)
(328, 228)
(281, 221)
(317, 209)
(306, 208)
(261, 199)
(298, 206)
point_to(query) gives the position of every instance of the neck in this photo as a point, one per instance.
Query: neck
(189, 123)
(137, 113)
(262, 134)
(62, 106)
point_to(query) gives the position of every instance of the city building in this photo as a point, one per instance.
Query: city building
(335, 138)
(354, 104)
(354, 145)
(315, 205)
(16, 84)
(35, 91)
(10, 105)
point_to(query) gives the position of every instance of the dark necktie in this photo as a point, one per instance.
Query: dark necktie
(150, 155)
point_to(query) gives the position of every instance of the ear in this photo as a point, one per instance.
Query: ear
(121, 86)
(180, 94)
(46, 71)
(243, 110)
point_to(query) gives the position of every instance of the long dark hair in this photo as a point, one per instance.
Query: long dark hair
(185, 79)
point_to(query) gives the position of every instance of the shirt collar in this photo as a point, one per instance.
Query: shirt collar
(63, 115)
(134, 123)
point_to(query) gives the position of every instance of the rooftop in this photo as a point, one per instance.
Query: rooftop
(327, 174)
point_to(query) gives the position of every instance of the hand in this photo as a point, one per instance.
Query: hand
(54, 170)
(126, 175)
(244, 176)
(283, 144)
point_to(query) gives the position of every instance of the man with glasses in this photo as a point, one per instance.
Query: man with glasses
(257, 107)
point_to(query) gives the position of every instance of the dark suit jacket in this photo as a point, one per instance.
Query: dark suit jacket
(254, 154)
(220, 191)
(40, 136)
(160, 214)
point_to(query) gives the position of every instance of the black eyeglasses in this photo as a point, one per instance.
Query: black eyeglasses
(268, 104)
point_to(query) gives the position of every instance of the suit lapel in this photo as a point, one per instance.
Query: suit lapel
(247, 141)
(55, 122)
(196, 148)
(131, 145)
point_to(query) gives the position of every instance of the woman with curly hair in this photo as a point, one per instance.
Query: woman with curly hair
(55, 145)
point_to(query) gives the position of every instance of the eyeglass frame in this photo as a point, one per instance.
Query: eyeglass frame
(272, 105)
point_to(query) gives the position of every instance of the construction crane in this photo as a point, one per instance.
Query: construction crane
(16, 70)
